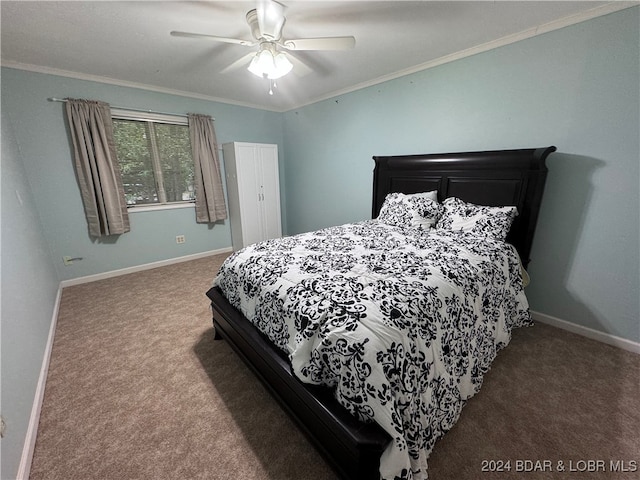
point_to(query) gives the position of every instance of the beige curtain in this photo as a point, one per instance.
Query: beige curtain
(97, 168)
(210, 204)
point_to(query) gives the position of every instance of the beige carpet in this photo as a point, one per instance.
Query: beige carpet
(138, 389)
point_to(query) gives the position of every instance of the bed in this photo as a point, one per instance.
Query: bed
(469, 288)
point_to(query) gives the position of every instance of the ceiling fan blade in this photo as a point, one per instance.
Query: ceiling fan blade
(326, 43)
(237, 41)
(270, 19)
(300, 68)
(241, 62)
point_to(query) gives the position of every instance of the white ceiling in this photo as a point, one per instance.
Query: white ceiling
(128, 43)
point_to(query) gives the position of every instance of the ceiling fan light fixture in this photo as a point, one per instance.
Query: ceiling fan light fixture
(282, 66)
(262, 64)
(270, 64)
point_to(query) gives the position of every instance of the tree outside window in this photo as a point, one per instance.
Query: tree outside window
(155, 161)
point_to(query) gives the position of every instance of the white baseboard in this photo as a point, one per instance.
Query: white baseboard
(32, 429)
(24, 469)
(139, 268)
(603, 337)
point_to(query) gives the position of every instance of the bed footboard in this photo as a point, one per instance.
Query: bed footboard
(351, 447)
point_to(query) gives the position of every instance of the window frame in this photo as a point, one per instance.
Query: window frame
(140, 116)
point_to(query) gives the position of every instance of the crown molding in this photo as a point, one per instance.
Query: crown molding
(590, 14)
(124, 83)
(611, 7)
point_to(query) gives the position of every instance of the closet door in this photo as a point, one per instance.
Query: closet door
(249, 189)
(253, 189)
(269, 191)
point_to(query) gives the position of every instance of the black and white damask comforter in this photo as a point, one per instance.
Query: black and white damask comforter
(402, 323)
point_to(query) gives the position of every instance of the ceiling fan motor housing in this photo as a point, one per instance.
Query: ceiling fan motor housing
(267, 23)
(252, 20)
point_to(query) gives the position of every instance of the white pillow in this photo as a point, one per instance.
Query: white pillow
(432, 195)
(419, 210)
(494, 222)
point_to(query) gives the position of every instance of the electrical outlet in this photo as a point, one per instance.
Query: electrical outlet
(180, 239)
(69, 260)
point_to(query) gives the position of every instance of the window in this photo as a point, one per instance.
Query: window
(154, 153)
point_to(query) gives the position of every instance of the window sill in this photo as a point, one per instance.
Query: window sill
(166, 206)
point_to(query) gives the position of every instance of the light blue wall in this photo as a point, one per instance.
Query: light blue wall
(29, 289)
(577, 88)
(41, 135)
(49, 223)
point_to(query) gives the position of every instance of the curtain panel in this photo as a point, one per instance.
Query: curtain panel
(97, 168)
(210, 203)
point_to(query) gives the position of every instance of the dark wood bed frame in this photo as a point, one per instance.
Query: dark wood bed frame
(493, 178)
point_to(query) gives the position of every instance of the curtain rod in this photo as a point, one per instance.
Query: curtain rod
(64, 100)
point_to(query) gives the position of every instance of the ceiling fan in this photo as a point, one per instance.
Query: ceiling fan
(266, 23)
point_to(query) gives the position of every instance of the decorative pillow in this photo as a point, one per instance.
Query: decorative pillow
(420, 210)
(432, 195)
(493, 222)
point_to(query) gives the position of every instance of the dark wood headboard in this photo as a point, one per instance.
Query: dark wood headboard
(492, 178)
